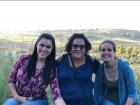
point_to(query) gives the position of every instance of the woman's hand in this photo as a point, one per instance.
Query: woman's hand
(14, 93)
(21, 99)
(129, 101)
(59, 101)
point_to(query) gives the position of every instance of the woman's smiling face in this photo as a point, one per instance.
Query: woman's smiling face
(44, 48)
(106, 52)
(78, 48)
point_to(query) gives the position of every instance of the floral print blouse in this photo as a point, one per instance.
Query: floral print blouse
(34, 87)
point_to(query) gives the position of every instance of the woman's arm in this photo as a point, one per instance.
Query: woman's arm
(12, 81)
(14, 93)
(130, 84)
(56, 94)
(59, 101)
(95, 63)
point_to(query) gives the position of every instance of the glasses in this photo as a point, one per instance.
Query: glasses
(108, 49)
(47, 46)
(75, 46)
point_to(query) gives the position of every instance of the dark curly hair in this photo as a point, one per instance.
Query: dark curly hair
(74, 36)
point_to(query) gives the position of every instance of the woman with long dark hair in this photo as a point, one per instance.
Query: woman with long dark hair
(31, 74)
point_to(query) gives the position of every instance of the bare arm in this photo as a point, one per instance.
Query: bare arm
(56, 92)
(12, 89)
(14, 93)
(59, 101)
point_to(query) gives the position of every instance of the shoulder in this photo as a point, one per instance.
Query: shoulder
(22, 60)
(101, 67)
(94, 60)
(25, 56)
(122, 63)
(59, 58)
(124, 66)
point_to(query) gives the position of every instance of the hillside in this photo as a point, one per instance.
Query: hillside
(26, 39)
(96, 34)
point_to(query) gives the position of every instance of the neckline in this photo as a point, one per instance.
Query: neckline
(68, 63)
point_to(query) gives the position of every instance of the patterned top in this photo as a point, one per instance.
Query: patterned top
(35, 87)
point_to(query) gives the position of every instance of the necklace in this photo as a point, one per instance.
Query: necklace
(40, 66)
(112, 72)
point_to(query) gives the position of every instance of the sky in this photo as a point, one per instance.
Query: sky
(55, 15)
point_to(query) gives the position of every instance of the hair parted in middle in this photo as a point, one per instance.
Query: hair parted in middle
(49, 62)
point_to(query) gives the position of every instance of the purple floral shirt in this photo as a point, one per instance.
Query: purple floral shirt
(31, 88)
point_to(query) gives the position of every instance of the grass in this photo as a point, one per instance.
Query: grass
(6, 62)
(5, 65)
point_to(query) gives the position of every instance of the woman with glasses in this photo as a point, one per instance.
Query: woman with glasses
(31, 75)
(75, 69)
(114, 83)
